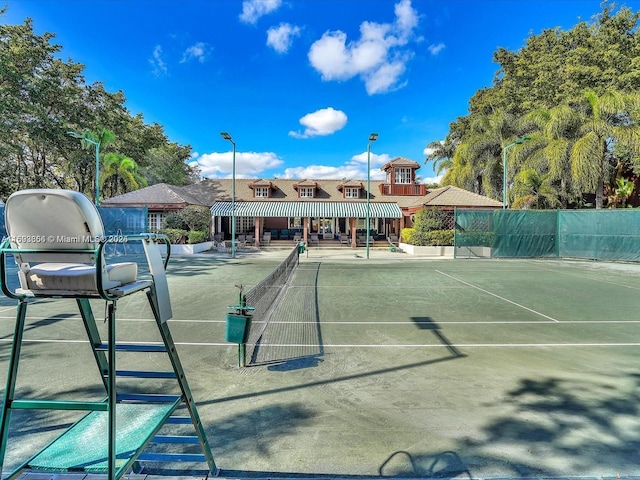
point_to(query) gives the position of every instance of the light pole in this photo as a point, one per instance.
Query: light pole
(372, 138)
(226, 136)
(504, 167)
(97, 147)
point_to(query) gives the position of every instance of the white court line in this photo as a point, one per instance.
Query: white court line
(356, 345)
(498, 296)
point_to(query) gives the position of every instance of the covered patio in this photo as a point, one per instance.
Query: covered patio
(308, 221)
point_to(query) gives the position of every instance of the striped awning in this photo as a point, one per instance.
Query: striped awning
(307, 209)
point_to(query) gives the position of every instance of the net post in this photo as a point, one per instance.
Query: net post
(242, 347)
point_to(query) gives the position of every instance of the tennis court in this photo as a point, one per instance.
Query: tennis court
(393, 366)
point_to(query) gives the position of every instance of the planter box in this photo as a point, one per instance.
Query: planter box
(187, 249)
(441, 251)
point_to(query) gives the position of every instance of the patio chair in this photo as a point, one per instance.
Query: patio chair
(284, 234)
(266, 238)
(393, 240)
(250, 240)
(297, 237)
(313, 239)
(218, 238)
(344, 239)
(58, 242)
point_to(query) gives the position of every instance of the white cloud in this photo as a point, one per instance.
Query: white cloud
(198, 52)
(156, 61)
(379, 57)
(377, 160)
(385, 78)
(252, 10)
(281, 38)
(321, 122)
(432, 179)
(318, 172)
(248, 164)
(406, 18)
(435, 49)
(429, 150)
(354, 169)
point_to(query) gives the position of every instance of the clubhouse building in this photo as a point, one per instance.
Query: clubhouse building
(306, 209)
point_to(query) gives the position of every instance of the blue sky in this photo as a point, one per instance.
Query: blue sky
(299, 84)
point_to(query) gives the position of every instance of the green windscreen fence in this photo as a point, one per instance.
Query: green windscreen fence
(584, 234)
(124, 221)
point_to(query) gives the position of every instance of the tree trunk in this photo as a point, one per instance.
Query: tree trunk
(599, 194)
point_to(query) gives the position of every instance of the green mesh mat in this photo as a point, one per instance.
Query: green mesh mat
(84, 446)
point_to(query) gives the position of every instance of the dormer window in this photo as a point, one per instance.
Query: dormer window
(261, 192)
(306, 188)
(351, 189)
(262, 188)
(351, 192)
(306, 192)
(402, 175)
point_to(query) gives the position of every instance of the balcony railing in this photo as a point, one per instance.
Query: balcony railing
(401, 189)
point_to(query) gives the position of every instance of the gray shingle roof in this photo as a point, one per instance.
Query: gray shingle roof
(401, 162)
(159, 194)
(210, 191)
(451, 196)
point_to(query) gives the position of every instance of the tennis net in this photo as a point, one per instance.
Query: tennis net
(265, 296)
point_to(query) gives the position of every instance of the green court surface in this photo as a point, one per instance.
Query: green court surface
(392, 366)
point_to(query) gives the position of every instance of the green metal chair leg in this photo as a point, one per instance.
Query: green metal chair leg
(94, 337)
(111, 390)
(182, 381)
(11, 379)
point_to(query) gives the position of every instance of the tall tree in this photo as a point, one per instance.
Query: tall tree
(530, 190)
(168, 164)
(549, 76)
(41, 98)
(120, 175)
(477, 160)
(608, 119)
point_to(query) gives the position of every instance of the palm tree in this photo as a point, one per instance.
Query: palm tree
(441, 154)
(121, 174)
(532, 190)
(557, 131)
(477, 161)
(607, 120)
(83, 169)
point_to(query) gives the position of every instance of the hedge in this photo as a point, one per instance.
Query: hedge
(431, 238)
(198, 236)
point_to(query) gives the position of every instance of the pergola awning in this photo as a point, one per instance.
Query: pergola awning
(308, 209)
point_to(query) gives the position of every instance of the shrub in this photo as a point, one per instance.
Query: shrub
(408, 235)
(198, 236)
(176, 235)
(173, 221)
(196, 217)
(191, 217)
(429, 238)
(428, 220)
(440, 237)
